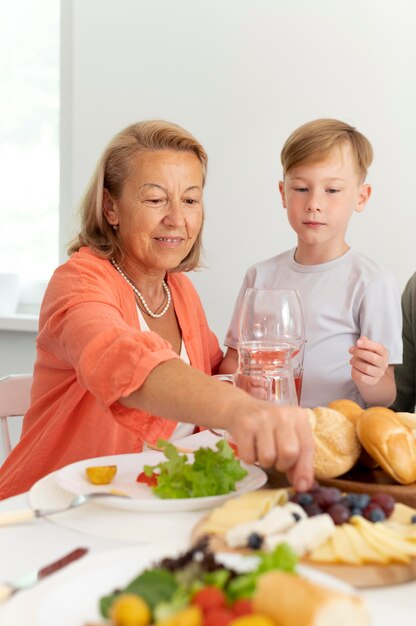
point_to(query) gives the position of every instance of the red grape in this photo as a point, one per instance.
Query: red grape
(385, 501)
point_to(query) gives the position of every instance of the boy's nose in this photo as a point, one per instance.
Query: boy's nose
(313, 203)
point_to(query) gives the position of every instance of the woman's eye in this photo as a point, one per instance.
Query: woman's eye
(191, 201)
(155, 201)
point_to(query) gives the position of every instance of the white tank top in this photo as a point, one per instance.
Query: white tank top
(182, 429)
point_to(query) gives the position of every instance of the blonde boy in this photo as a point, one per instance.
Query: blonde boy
(352, 306)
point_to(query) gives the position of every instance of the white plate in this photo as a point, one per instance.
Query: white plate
(75, 602)
(73, 479)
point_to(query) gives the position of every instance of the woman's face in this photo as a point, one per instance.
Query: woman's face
(159, 213)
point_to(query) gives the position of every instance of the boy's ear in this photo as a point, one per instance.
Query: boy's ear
(282, 193)
(109, 208)
(363, 197)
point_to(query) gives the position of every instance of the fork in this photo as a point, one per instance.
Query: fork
(26, 515)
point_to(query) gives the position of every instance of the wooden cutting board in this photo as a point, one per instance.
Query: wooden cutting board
(359, 576)
(359, 480)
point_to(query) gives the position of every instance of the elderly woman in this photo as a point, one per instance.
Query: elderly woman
(124, 352)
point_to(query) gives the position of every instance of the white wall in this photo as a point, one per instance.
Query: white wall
(241, 75)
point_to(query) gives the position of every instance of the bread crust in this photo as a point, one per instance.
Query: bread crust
(349, 408)
(390, 442)
(292, 600)
(337, 447)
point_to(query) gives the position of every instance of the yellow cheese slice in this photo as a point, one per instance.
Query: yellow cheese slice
(324, 553)
(402, 513)
(362, 547)
(344, 548)
(247, 508)
(407, 530)
(390, 548)
(387, 534)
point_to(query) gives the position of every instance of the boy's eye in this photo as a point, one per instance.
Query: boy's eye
(301, 189)
(332, 190)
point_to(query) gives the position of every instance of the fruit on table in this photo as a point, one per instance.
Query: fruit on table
(253, 620)
(191, 616)
(101, 474)
(130, 610)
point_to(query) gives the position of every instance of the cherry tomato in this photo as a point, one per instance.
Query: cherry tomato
(148, 480)
(208, 598)
(242, 606)
(218, 616)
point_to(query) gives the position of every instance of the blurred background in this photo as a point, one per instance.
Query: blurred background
(241, 75)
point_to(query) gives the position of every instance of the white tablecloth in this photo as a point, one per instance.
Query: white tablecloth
(32, 545)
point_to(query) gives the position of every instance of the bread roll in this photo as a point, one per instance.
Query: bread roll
(336, 444)
(349, 408)
(294, 601)
(389, 442)
(409, 420)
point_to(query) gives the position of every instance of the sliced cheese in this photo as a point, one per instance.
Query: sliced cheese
(402, 513)
(324, 553)
(389, 548)
(367, 553)
(344, 548)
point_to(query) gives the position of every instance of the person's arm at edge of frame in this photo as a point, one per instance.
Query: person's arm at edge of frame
(405, 373)
(274, 436)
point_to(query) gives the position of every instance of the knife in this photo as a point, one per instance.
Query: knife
(8, 589)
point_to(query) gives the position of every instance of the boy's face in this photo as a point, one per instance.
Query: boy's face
(320, 199)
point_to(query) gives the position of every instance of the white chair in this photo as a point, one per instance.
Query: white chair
(14, 401)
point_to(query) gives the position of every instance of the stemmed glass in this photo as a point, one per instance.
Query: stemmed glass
(271, 334)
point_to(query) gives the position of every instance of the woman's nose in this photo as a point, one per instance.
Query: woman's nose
(175, 214)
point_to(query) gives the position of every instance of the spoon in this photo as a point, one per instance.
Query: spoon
(26, 515)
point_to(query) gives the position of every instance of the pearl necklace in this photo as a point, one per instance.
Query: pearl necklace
(141, 298)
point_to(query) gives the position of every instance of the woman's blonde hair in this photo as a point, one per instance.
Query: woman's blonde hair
(114, 167)
(312, 143)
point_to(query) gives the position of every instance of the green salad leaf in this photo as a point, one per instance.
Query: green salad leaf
(212, 473)
(155, 586)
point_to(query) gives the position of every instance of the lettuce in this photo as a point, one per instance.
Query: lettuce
(213, 472)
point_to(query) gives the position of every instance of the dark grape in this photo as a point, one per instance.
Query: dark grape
(339, 513)
(385, 501)
(301, 498)
(327, 496)
(370, 507)
(359, 500)
(413, 519)
(356, 511)
(296, 517)
(377, 515)
(254, 541)
(312, 509)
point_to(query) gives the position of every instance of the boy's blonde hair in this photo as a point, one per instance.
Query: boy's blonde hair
(114, 167)
(312, 143)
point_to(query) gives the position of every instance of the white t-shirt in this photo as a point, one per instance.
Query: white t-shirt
(182, 429)
(342, 300)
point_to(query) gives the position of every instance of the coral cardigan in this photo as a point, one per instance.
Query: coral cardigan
(90, 352)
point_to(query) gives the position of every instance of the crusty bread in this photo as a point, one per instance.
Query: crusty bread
(389, 442)
(292, 600)
(349, 408)
(336, 444)
(408, 419)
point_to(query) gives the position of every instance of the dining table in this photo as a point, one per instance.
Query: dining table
(117, 540)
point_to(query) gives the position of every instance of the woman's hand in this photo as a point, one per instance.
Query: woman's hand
(275, 436)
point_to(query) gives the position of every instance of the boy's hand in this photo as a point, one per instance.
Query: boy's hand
(369, 361)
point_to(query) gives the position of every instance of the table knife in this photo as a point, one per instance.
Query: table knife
(31, 578)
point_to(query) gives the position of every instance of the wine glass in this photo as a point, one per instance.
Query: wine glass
(271, 332)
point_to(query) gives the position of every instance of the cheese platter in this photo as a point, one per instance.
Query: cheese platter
(360, 551)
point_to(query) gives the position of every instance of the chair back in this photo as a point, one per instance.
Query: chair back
(14, 401)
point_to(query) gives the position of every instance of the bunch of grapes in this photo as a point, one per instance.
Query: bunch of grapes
(341, 506)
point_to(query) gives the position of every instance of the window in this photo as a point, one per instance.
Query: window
(29, 137)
